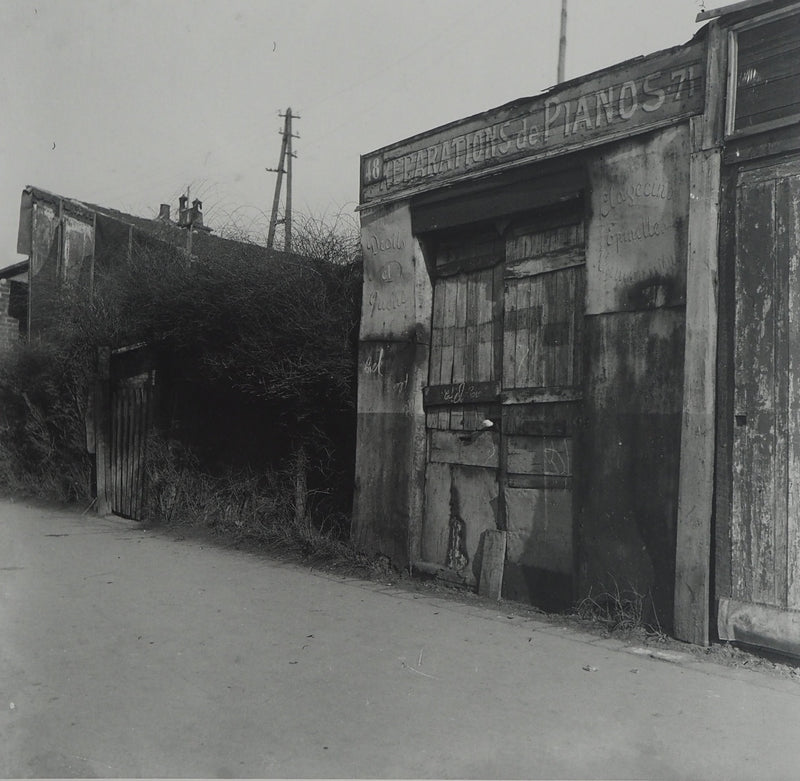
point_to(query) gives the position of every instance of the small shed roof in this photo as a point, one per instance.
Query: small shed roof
(14, 270)
(743, 5)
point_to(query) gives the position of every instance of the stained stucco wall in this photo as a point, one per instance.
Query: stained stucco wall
(393, 362)
(629, 451)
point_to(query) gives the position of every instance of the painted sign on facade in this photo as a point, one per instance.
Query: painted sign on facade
(632, 97)
(637, 234)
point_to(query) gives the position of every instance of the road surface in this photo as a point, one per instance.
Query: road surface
(126, 653)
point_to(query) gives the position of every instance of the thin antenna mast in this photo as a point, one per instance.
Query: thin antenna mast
(562, 42)
(284, 167)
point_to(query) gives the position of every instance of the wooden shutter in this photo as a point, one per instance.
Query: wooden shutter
(544, 307)
(765, 74)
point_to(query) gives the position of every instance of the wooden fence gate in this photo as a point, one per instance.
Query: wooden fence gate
(124, 416)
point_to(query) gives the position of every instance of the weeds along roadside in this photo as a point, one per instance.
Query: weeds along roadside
(242, 506)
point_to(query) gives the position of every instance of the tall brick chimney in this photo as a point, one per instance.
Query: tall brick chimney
(183, 212)
(196, 214)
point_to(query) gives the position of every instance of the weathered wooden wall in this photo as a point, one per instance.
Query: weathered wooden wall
(541, 461)
(393, 362)
(693, 572)
(756, 551)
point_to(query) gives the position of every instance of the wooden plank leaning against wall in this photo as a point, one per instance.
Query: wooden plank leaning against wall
(695, 497)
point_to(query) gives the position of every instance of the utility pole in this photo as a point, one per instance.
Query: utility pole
(284, 167)
(562, 42)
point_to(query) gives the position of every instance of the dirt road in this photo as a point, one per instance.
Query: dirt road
(127, 653)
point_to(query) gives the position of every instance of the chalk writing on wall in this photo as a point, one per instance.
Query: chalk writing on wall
(557, 462)
(401, 386)
(643, 197)
(373, 364)
(386, 378)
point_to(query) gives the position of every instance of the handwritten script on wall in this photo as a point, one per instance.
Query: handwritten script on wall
(388, 296)
(637, 235)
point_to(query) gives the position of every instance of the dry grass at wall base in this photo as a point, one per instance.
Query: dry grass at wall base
(244, 508)
(622, 611)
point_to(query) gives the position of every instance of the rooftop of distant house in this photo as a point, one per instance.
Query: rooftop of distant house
(204, 244)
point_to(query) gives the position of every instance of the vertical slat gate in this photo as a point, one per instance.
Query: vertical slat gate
(132, 397)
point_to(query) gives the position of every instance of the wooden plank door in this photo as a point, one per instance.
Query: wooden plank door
(765, 527)
(506, 347)
(541, 392)
(461, 487)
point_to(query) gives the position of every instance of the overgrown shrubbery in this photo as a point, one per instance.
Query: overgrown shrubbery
(42, 431)
(259, 383)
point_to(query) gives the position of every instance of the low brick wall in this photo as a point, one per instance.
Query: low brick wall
(9, 326)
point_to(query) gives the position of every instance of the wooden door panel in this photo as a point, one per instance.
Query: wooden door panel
(460, 504)
(515, 325)
(754, 395)
(788, 245)
(766, 432)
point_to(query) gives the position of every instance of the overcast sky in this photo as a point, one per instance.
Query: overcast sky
(126, 103)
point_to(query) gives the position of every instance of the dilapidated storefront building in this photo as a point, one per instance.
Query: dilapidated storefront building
(538, 395)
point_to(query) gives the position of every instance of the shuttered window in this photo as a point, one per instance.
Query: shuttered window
(508, 311)
(544, 302)
(466, 336)
(765, 74)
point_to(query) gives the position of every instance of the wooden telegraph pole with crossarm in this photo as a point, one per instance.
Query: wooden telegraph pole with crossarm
(284, 167)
